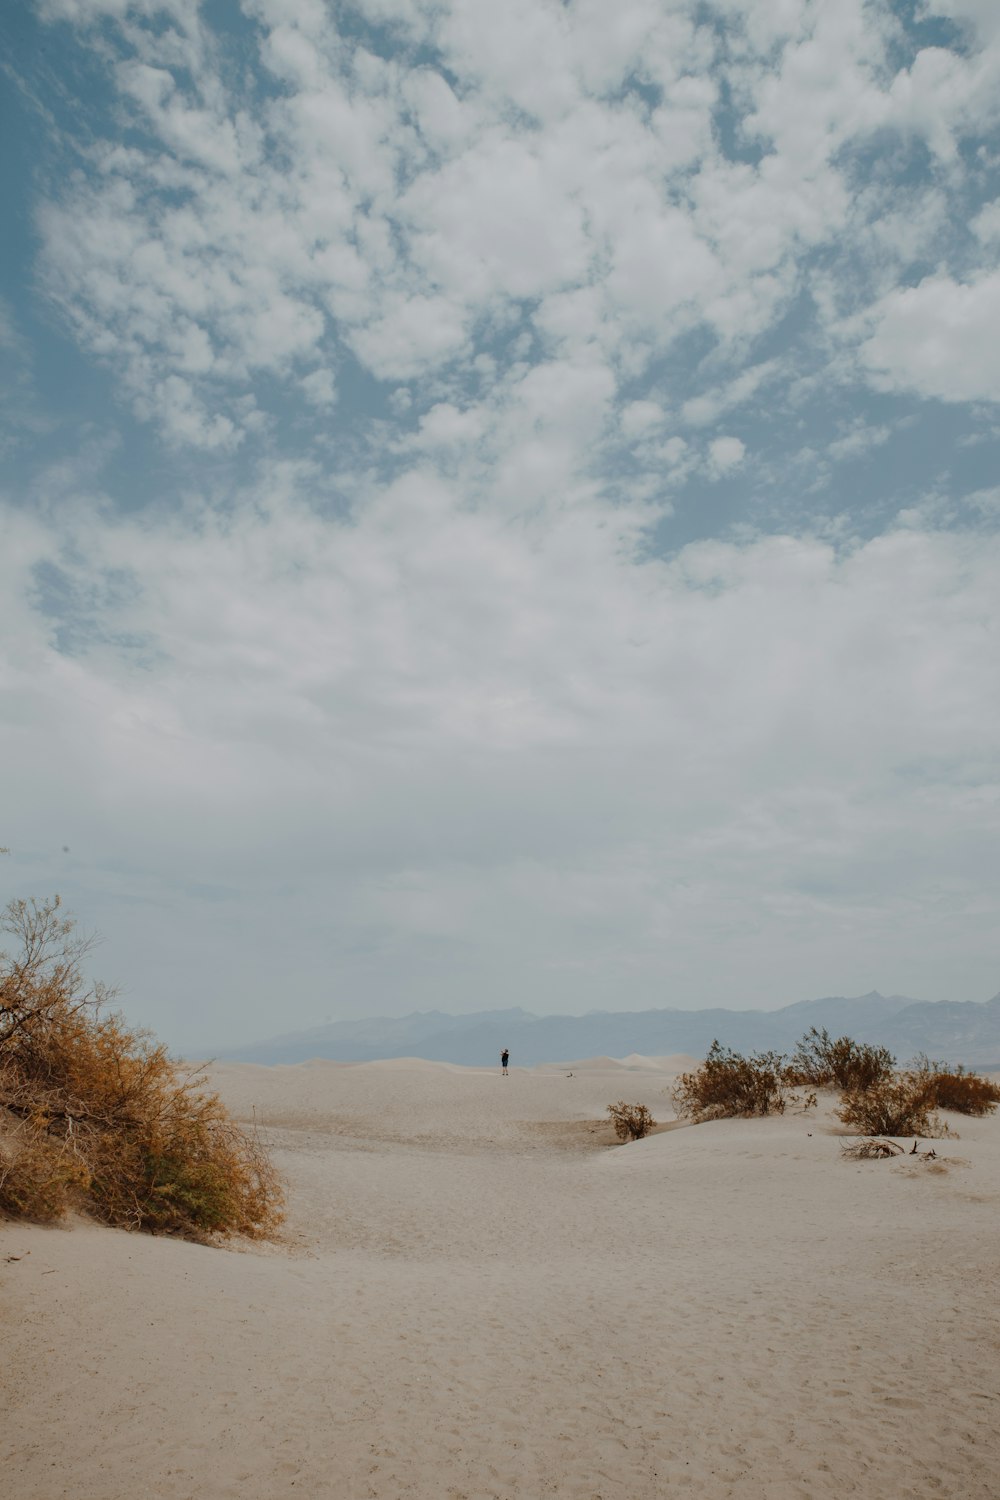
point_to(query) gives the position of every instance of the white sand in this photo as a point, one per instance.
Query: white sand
(477, 1301)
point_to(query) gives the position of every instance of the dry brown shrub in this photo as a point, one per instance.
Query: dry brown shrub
(100, 1116)
(631, 1121)
(954, 1088)
(820, 1060)
(727, 1083)
(893, 1107)
(39, 1177)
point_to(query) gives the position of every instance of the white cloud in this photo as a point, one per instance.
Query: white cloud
(444, 121)
(987, 502)
(374, 203)
(639, 418)
(445, 426)
(724, 455)
(185, 420)
(319, 388)
(860, 438)
(323, 717)
(422, 708)
(938, 339)
(379, 205)
(986, 224)
(497, 221)
(703, 410)
(825, 89)
(980, 15)
(409, 335)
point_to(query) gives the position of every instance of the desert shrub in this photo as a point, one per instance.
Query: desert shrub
(953, 1088)
(39, 1177)
(631, 1121)
(96, 1115)
(727, 1083)
(820, 1060)
(893, 1107)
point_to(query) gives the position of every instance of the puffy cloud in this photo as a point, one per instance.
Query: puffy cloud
(411, 333)
(986, 224)
(937, 339)
(319, 388)
(558, 166)
(724, 455)
(640, 417)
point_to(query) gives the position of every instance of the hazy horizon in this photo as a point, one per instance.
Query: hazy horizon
(500, 504)
(225, 1044)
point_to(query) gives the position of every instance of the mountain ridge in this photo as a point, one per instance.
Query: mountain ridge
(953, 1031)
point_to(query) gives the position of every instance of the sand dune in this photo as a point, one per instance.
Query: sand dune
(479, 1297)
(633, 1063)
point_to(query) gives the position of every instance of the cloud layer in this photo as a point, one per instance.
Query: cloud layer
(468, 595)
(599, 187)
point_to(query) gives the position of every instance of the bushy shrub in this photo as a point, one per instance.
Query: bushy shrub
(895, 1106)
(39, 1177)
(820, 1060)
(727, 1083)
(953, 1088)
(631, 1121)
(98, 1116)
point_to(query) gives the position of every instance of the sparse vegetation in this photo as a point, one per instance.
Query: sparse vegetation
(870, 1149)
(875, 1099)
(954, 1088)
(631, 1121)
(905, 1103)
(821, 1061)
(894, 1106)
(727, 1083)
(99, 1117)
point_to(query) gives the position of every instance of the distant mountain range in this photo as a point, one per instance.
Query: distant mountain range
(947, 1030)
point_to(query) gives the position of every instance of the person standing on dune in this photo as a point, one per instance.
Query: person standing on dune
(503, 1061)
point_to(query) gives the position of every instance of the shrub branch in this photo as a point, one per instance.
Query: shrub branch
(97, 1116)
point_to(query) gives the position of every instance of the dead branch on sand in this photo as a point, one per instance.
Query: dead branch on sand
(871, 1148)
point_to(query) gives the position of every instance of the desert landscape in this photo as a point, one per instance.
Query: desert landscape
(478, 1294)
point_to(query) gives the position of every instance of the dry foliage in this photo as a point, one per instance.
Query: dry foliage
(870, 1149)
(631, 1121)
(954, 1088)
(39, 1177)
(97, 1116)
(820, 1060)
(904, 1104)
(727, 1083)
(896, 1106)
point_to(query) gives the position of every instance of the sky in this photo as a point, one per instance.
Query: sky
(500, 504)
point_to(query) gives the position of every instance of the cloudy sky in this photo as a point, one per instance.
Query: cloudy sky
(500, 503)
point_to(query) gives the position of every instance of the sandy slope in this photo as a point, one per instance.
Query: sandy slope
(479, 1299)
